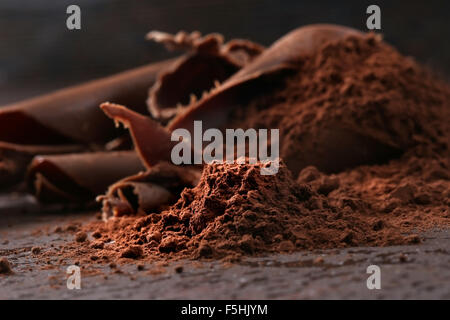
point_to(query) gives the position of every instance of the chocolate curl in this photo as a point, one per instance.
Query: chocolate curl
(129, 198)
(161, 183)
(71, 115)
(258, 76)
(148, 191)
(208, 63)
(14, 160)
(79, 177)
(152, 141)
(60, 122)
(185, 81)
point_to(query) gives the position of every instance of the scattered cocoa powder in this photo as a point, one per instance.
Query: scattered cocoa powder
(97, 245)
(318, 261)
(364, 135)
(140, 267)
(73, 227)
(96, 234)
(57, 229)
(132, 252)
(5, 266)
(179, 269)
(81, 236)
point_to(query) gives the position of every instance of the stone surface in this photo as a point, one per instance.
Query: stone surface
(407, 272)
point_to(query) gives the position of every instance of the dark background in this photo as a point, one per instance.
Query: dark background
(38, 53)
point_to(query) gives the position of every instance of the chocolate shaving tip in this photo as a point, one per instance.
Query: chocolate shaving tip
(187, 41)
(152, 141)
(71, 115)
(79, 177)
(241, 51)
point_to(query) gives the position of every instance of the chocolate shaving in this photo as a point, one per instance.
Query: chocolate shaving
(71, 115)
(161, 183)
(79, 177)
(149, 191)
(185, 81)
(15, 158)
(68, 121)
(151, 140)
(208, 63)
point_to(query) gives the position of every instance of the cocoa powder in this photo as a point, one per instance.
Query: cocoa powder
(5, 266)
(385, 178)
(357, 101)
(234, 211)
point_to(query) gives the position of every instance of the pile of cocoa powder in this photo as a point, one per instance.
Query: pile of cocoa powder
(362, 83)
(359, 85)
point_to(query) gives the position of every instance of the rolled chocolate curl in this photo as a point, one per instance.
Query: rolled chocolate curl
(71, 115)
(148, 191)
(208, 62)
(79, 177)
(161, 184)
(15, 158)
(186, 80)
(152, 141)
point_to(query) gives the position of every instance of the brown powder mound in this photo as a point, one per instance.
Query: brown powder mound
(357, 101)
(235, 211)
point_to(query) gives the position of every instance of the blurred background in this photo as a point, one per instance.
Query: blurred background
(39, 54)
